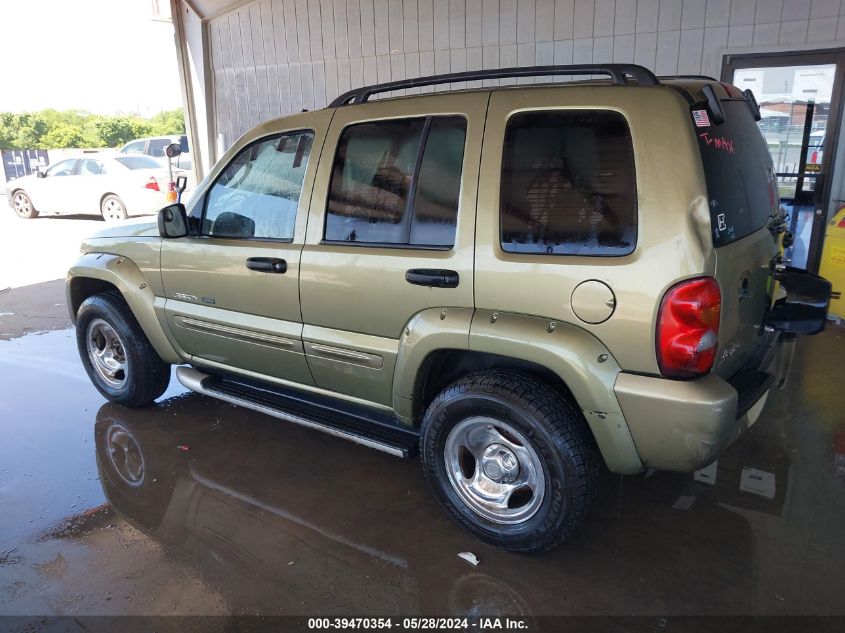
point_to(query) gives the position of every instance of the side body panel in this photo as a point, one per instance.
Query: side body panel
(673, 239)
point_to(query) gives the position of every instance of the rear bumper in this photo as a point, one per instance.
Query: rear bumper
(684, 425)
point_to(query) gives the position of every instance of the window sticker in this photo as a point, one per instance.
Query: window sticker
(701, 119)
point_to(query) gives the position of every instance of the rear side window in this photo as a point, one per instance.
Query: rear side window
(257, 195)
(741, 181)
(568, 184)
(397, 182)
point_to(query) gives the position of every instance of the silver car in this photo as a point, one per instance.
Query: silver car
(115, 186)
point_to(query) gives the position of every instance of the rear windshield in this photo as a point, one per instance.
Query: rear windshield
(138, 162)
(741, 180)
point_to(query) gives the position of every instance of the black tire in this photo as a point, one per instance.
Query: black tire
(146, 376)
(554, 429)
(22, 205)
(113, 209)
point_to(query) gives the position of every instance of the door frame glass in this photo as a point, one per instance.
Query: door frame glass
(836, 56)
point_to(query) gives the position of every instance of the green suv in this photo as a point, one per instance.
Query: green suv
(523, 283)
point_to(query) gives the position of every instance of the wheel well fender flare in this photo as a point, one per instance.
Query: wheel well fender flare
(94, 273)
(563, 355)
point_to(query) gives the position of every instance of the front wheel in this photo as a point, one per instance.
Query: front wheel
(510, 459)
(116, 353)
(22, 205)
(113, 209)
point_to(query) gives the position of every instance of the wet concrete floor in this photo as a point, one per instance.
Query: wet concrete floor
(193, 506)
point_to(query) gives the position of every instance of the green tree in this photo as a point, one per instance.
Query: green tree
(168, 122)
(30, 129)
(115, 131)
(49, 129)
(63, 136)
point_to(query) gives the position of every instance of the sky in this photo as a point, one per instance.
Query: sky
(103, 56)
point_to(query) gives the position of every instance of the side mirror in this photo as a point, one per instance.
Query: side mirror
(181, 183)
(173, 221)
(40, 174)
(173, 150)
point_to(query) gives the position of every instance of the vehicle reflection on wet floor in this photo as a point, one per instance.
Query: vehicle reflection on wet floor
(196, 506)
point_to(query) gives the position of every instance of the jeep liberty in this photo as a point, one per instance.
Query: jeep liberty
(524, 284)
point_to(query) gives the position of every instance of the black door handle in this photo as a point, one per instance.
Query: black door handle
(435, 277)
(267, 264)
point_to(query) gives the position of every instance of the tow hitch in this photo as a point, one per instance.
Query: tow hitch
(804, 308)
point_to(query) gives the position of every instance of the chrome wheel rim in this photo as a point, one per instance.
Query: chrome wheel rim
(125, 455)
(22, 204)
(113, 209)
(107, 353)
(494, 470)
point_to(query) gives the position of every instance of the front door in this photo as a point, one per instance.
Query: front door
(800, 99)
(50, 193)
(232, 296)
(390, 235)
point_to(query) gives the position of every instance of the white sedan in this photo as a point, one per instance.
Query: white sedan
(115, 186)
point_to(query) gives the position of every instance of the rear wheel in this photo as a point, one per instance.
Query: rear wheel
(510, 459)
(23, 205)
(113, 208)
(116, 353)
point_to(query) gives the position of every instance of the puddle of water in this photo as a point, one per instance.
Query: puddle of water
(47, 464)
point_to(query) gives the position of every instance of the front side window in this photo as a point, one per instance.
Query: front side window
(568, 184)
(63, 168)
(257, 195)
(397, 182)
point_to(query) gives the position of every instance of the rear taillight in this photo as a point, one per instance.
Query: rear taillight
(688, 328)
(152, 183)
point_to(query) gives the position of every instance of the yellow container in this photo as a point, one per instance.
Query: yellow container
(833, 261)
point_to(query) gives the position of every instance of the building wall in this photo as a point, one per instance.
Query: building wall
(274, 57)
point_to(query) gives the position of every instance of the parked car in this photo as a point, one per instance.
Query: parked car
(155, 145)
(116, 186)
(596, 284)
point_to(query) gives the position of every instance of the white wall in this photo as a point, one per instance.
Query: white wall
(273, 57)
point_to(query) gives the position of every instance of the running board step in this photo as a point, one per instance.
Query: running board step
(359, 425)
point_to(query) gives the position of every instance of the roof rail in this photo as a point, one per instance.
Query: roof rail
(698, 77)
(621, 74)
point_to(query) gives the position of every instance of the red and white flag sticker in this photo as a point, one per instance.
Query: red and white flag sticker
(701, 119)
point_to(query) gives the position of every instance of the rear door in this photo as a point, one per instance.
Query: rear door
(390, 233)
(88, 186)
(232, 295)
(742, 187)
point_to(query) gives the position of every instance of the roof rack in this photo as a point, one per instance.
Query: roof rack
(621, 74)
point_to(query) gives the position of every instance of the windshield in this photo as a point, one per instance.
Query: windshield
(138, 162)
(741, 181)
